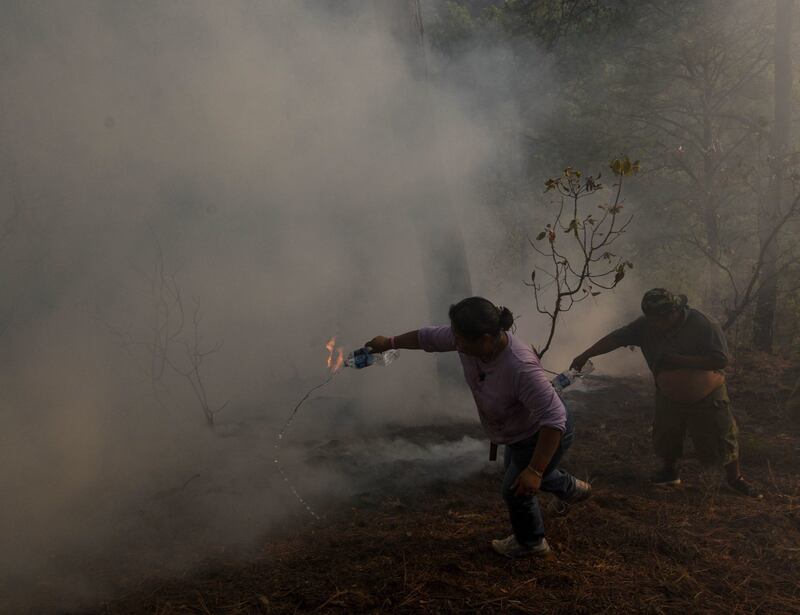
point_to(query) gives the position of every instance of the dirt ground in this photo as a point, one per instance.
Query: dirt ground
(631, 548)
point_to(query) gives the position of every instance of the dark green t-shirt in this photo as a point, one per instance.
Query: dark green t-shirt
(696, 334)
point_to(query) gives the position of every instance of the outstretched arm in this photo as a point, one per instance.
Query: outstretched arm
(607, 344)
(409, 341)
(429, 339)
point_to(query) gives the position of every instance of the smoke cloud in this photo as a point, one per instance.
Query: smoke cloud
(220, 187)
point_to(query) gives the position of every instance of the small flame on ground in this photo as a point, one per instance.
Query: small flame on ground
(334, 364)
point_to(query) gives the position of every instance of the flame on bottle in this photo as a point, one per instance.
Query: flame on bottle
(334, 364)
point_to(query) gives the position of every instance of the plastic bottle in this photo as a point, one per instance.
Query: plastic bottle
(361, 358)
(564, 379)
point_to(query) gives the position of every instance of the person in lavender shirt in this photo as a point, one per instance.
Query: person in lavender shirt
(517, 406)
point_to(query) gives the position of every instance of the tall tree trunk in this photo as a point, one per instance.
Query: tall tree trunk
(764, 324)
(446, 271)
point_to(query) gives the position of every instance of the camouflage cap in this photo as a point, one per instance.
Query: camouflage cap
(660, 301)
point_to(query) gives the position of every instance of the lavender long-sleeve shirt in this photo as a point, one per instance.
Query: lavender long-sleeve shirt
(514, 396)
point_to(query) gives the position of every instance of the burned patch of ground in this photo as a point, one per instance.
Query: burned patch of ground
(631, 548)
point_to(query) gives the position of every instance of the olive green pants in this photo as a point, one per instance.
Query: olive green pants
(709, 422)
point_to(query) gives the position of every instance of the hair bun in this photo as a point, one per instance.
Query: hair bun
(506, 318)
(475, 317)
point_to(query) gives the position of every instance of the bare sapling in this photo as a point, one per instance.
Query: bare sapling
(581, 265)
(172, 346)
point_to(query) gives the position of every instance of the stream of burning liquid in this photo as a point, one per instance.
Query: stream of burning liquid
(334, 365)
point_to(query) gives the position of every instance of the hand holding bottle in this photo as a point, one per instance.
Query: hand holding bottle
(379, 344)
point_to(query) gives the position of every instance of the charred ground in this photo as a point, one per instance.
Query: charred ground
(631, 548)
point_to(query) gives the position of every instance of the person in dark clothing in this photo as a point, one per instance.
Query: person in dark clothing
(687, 352)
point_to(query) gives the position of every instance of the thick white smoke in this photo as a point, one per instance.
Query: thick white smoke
(269, 161)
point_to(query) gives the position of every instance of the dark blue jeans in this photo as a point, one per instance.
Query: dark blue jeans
(526, 517)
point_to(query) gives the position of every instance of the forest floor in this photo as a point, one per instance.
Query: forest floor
(632, 547)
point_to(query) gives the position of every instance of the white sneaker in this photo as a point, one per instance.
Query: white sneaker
(511, 548)
(581, 492)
